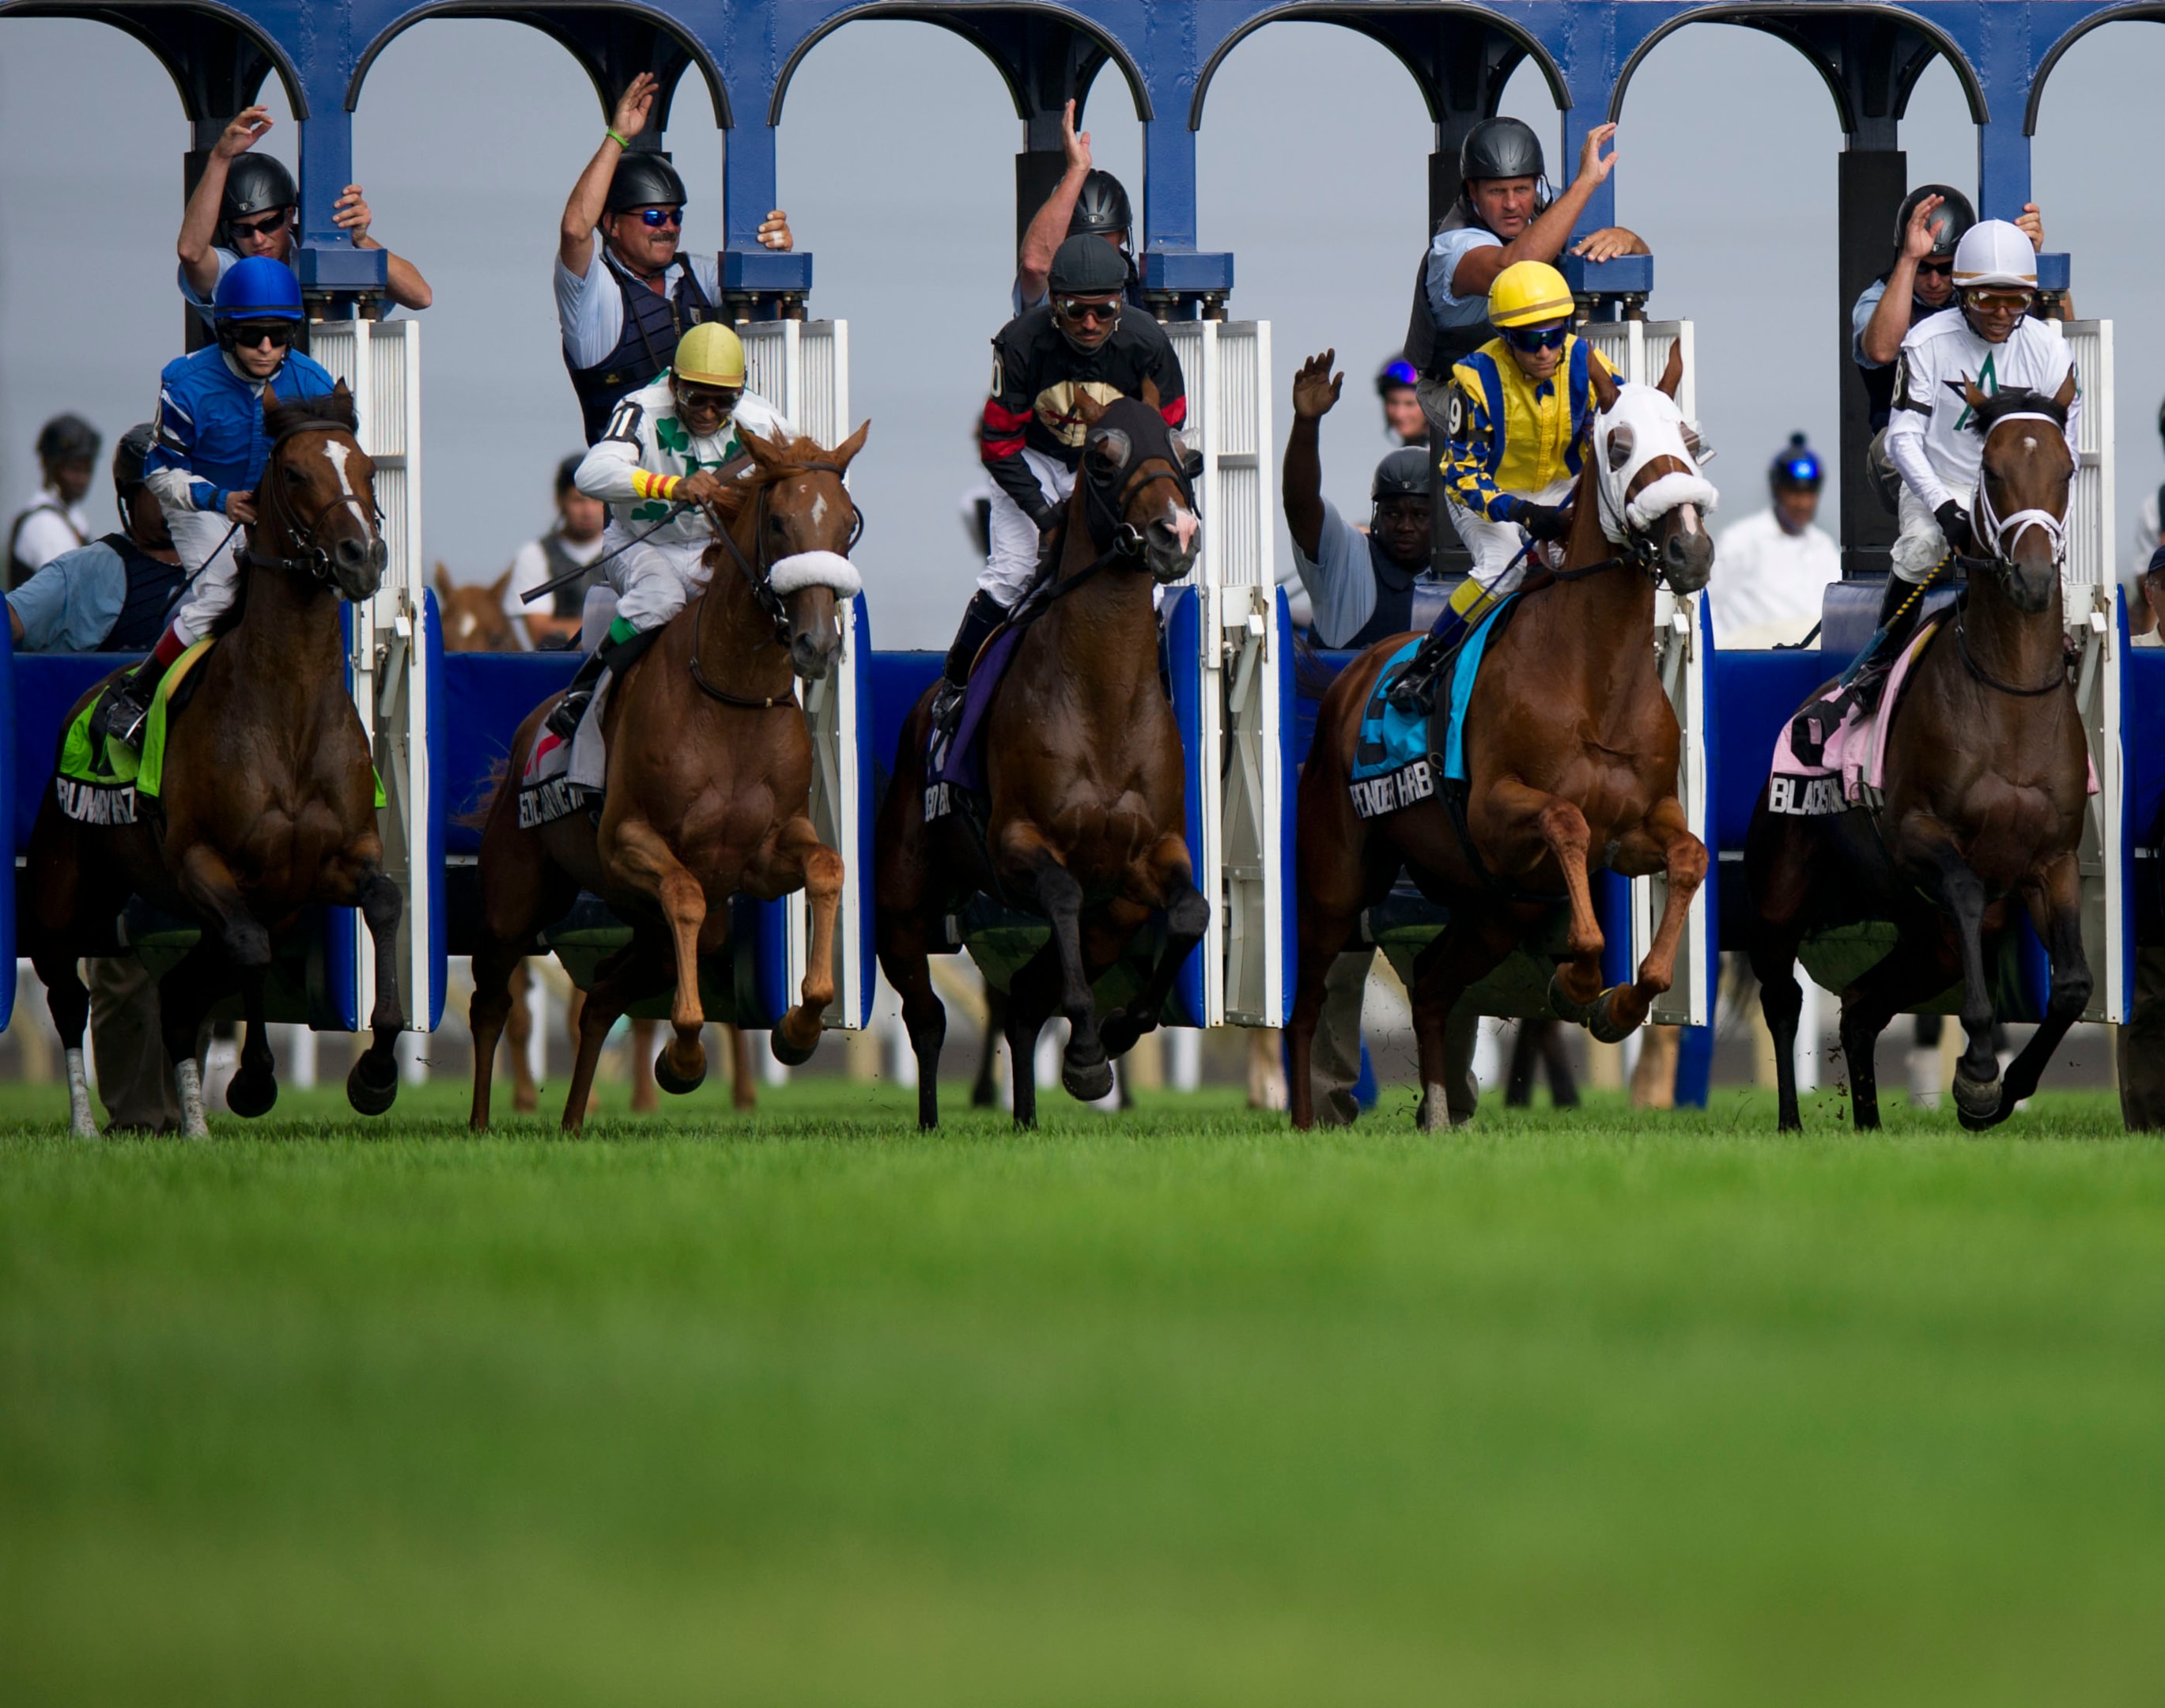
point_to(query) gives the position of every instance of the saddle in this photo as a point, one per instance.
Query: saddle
(102, 781)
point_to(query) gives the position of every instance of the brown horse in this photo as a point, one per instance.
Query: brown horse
(473, 615)
(1571, 758)
(1986, 784)
(268, 803)
(1083, 760)
(708, 787)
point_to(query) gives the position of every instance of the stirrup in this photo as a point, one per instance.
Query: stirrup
(946, 698)
(564, 721)
(118, 718)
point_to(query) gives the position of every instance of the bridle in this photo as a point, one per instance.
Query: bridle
(1120, 539)
(278, 512)
(1995, 533)
(759, 575)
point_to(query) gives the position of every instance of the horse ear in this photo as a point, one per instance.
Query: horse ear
(497, 588)
(443, 582)
(763, 452)
(2065, 397)
(851, 446)
(1603, 384)
(271, 398)
(1089, 411)
(1971, 396)
(1673, 375)
(1622, 440)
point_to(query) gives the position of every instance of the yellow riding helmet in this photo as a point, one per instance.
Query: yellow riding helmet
(1526, 293)
(710, 355)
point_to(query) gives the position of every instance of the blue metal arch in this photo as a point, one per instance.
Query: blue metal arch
(137, 21)
(2133, 12)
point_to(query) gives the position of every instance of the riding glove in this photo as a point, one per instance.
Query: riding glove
(1954, 524)
(1544, 521)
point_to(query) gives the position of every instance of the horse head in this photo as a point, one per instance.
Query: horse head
(806, 523)
(472, 616)
(1139, 499)
(316, 502)
(1646, 470)
(2020, 516)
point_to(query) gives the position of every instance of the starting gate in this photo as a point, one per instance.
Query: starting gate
(394, 662)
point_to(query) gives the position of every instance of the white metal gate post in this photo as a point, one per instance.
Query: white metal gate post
(387, 660)
(1227, 367)
(803, 368)
(2090, 595)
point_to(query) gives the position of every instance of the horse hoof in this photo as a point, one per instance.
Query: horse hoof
(1434, 1114)
(1562, 1005)
(371, 1089)
(674, 1083)
(1119, 1032)
(1606, 1021)
(1978, 1103)
(1087, 1082)
(252, 1094)
(791, 1055)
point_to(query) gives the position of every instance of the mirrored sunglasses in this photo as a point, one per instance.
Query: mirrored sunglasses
(656, 218)
(1080, 309)
(1534, 339)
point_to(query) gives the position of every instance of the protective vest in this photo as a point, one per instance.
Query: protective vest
(570, 598)
(152, 588)
(1394, 599)
(1510, 437)
(1433, 350)
(18, 571)
(653, 322)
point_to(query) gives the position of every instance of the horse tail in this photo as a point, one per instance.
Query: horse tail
(475, 817)
(1311, 677)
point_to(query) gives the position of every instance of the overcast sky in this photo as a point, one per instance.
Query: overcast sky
(897, 152)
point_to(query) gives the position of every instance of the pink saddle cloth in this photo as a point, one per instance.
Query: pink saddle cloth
(1852, 767)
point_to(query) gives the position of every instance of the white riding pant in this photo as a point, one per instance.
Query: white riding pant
(1920, 546)
(1013, 565)
(654, 579)
(1494, 545)
(200, 536)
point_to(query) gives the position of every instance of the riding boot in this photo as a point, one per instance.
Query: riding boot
(121, 713)
(564, 720)
(1468, 605)
(985, 614)
(1899, 607)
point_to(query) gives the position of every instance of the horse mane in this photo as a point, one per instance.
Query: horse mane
(795, 453)
(334, 408)
(2018, 401)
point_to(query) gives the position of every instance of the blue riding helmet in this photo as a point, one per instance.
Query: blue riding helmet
(1797, 466)
(258, 289)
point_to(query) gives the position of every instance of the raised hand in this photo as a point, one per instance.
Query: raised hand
(1917, 235)
(1594, 166)
(350, 214)
(244, 130)
(1076, 145)
(1315, 388)
(774, 231)
(635, 104)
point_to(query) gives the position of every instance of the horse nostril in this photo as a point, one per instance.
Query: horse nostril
(350, 553)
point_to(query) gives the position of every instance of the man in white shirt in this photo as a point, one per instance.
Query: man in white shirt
(573, 544)
(55, 520)
(1771, 569)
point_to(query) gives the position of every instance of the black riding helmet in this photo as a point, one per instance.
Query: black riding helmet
(1950, 220)
(1087, 267)
(644, 180)
(128, 459)
(1501, 148)
(1404, 474)
(255, 184)
(68, 439)
(1102, 209)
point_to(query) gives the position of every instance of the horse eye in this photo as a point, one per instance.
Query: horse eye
(1621, 441)
(1111, 444)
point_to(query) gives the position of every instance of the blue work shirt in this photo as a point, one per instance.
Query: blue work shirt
(71, 604)
(209, 424)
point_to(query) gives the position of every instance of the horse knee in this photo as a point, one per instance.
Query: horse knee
(1189, 915)
(1562, 826)
(380, 902)
(247, 941)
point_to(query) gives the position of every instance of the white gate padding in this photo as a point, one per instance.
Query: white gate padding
(1226, 366)
(803, 368)
(2089, 595)
(1638, 350)
(381, 363)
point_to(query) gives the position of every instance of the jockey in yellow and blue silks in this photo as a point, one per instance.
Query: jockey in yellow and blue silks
(1516, 425)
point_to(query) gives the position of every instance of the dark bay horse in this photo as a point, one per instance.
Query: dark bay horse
(1986, 787)
(708, 783)
(269, 792)
(1087, 818)
(1571, 756)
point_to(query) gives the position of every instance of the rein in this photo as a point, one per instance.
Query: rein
(1127, 539)
(278, 512)
(1977, 670)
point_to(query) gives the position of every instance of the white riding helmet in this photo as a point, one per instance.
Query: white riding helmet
(1995, 255)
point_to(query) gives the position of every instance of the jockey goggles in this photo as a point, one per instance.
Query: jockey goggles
(1990, 301)
(692, 394)
(249, 335)
(1080, 309)
(1533, 339)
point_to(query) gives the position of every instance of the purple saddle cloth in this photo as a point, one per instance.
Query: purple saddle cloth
(957, 762)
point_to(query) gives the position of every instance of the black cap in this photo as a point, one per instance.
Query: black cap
(1101, 208)
(1950, 220)
(68, 439)
(2157, 562)
(1500, 148)
(1404, 474)
(128, 457)
(644, 180)
(256, 183)
(1089, 266)
(567, 473)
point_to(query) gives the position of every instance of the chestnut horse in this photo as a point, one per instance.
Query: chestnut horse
(1571, 757)
(1987, 783)
(268, 800)
(1087, 817)
(708, 786)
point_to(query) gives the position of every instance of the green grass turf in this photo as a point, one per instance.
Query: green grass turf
(1177, 1408)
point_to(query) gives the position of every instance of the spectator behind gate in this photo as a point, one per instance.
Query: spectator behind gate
(1085, 202)
(1398, 389)
(2147, 539)
(619, 315)
(573, 544)
(245, 204)
(55, 520)
(110, 595)
(1771, 569)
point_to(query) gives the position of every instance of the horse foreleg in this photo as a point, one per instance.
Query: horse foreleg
(254, 1090)
(69, 999)
(744, 1086)
(1031, 994)
(799, 844)
(2054, 898)
(903, 957)
(1165, 880)
(1777, 865)
(494, 967)
(642, 859)
(1323, 937)
(624, 977)
(1466, 951)
(372, 1086)
(1977, 1075)
(1523, 817)
(1085, 1071)
(516, 1028)
(1663, 843)
(185, 996)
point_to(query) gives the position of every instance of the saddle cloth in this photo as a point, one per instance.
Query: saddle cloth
(562, 777)
(955, 757)
(1394, 758)
(100, 781)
